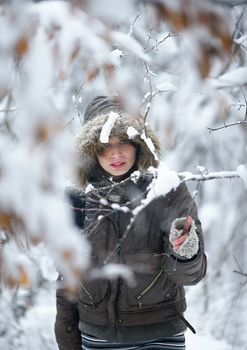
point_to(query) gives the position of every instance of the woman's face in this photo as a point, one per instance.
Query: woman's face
(118, 156)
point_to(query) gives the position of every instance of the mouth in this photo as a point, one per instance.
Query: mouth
(117, 165)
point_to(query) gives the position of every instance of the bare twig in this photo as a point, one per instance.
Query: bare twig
(240, 273)
(133, 23)
(245, 115)
(170, 35)
(240, 122)
(75, 99)
(150, 96)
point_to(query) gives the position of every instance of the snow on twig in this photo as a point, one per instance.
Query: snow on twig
(187, 176)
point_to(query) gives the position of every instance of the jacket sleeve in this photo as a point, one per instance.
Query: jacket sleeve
(180, 270)
(76, 200)
(67, 334)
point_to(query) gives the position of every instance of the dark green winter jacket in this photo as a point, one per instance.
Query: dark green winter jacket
(117, 309)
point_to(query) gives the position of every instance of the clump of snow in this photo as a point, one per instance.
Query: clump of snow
(115, 56)
(113, 271)
(104, 201)
(123, 208)
(89, 188)
(130, 44)
(132, 132)
(165, 181)
(166, 87)
(150, 144)
(235, 77)
(107, 127)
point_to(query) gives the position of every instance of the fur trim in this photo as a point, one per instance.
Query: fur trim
(88, 143)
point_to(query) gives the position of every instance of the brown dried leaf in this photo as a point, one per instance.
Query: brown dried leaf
(11, 282)
(178, 20)
(7, 220)
(36, 240)
(43, 132)
(24, 278)
(93, 74)
(217, 26)
(22, 47)
(205, 65)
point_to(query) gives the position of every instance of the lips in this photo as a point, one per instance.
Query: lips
(117, 165)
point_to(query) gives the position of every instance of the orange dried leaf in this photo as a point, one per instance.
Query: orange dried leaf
(5, 220)
(22, 47)
(24, 278)
(43, 133)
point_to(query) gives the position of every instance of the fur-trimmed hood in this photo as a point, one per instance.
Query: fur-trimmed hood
(88, 143)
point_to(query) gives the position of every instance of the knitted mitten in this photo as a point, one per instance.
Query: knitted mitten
(191, 244)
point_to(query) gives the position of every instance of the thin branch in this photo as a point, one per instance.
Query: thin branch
(150, 96)
(236, 260)
(240, 273)
(245, 115)
(184, 177)
(133, 23)
(241, 122)
(170, 35)
(75, 98)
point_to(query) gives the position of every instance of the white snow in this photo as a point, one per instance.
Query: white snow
(132, 132)
(113, 271)
(130, 44)
(150, 144)
(235, 77)
(107, 127)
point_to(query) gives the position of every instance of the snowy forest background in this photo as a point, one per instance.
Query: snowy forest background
(182, 65)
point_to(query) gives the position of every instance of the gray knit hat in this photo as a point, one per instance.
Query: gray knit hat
(103, 105)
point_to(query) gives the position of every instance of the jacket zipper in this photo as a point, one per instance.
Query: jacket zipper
(88, 294)
(140, 296)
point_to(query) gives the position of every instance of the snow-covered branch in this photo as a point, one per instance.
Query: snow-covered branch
(187, 176)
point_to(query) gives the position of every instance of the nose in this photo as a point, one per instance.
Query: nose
(115, 150)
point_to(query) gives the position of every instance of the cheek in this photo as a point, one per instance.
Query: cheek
(132, 155)
(101, 160)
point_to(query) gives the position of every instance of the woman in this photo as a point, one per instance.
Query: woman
(160, 241)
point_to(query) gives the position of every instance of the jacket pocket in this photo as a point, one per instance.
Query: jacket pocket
(142, 294)
(93, 293)
(155, 293)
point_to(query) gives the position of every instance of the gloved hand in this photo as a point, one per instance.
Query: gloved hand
(183, 237)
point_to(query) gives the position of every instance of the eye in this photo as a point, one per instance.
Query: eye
(125, 142)
(102, 147)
